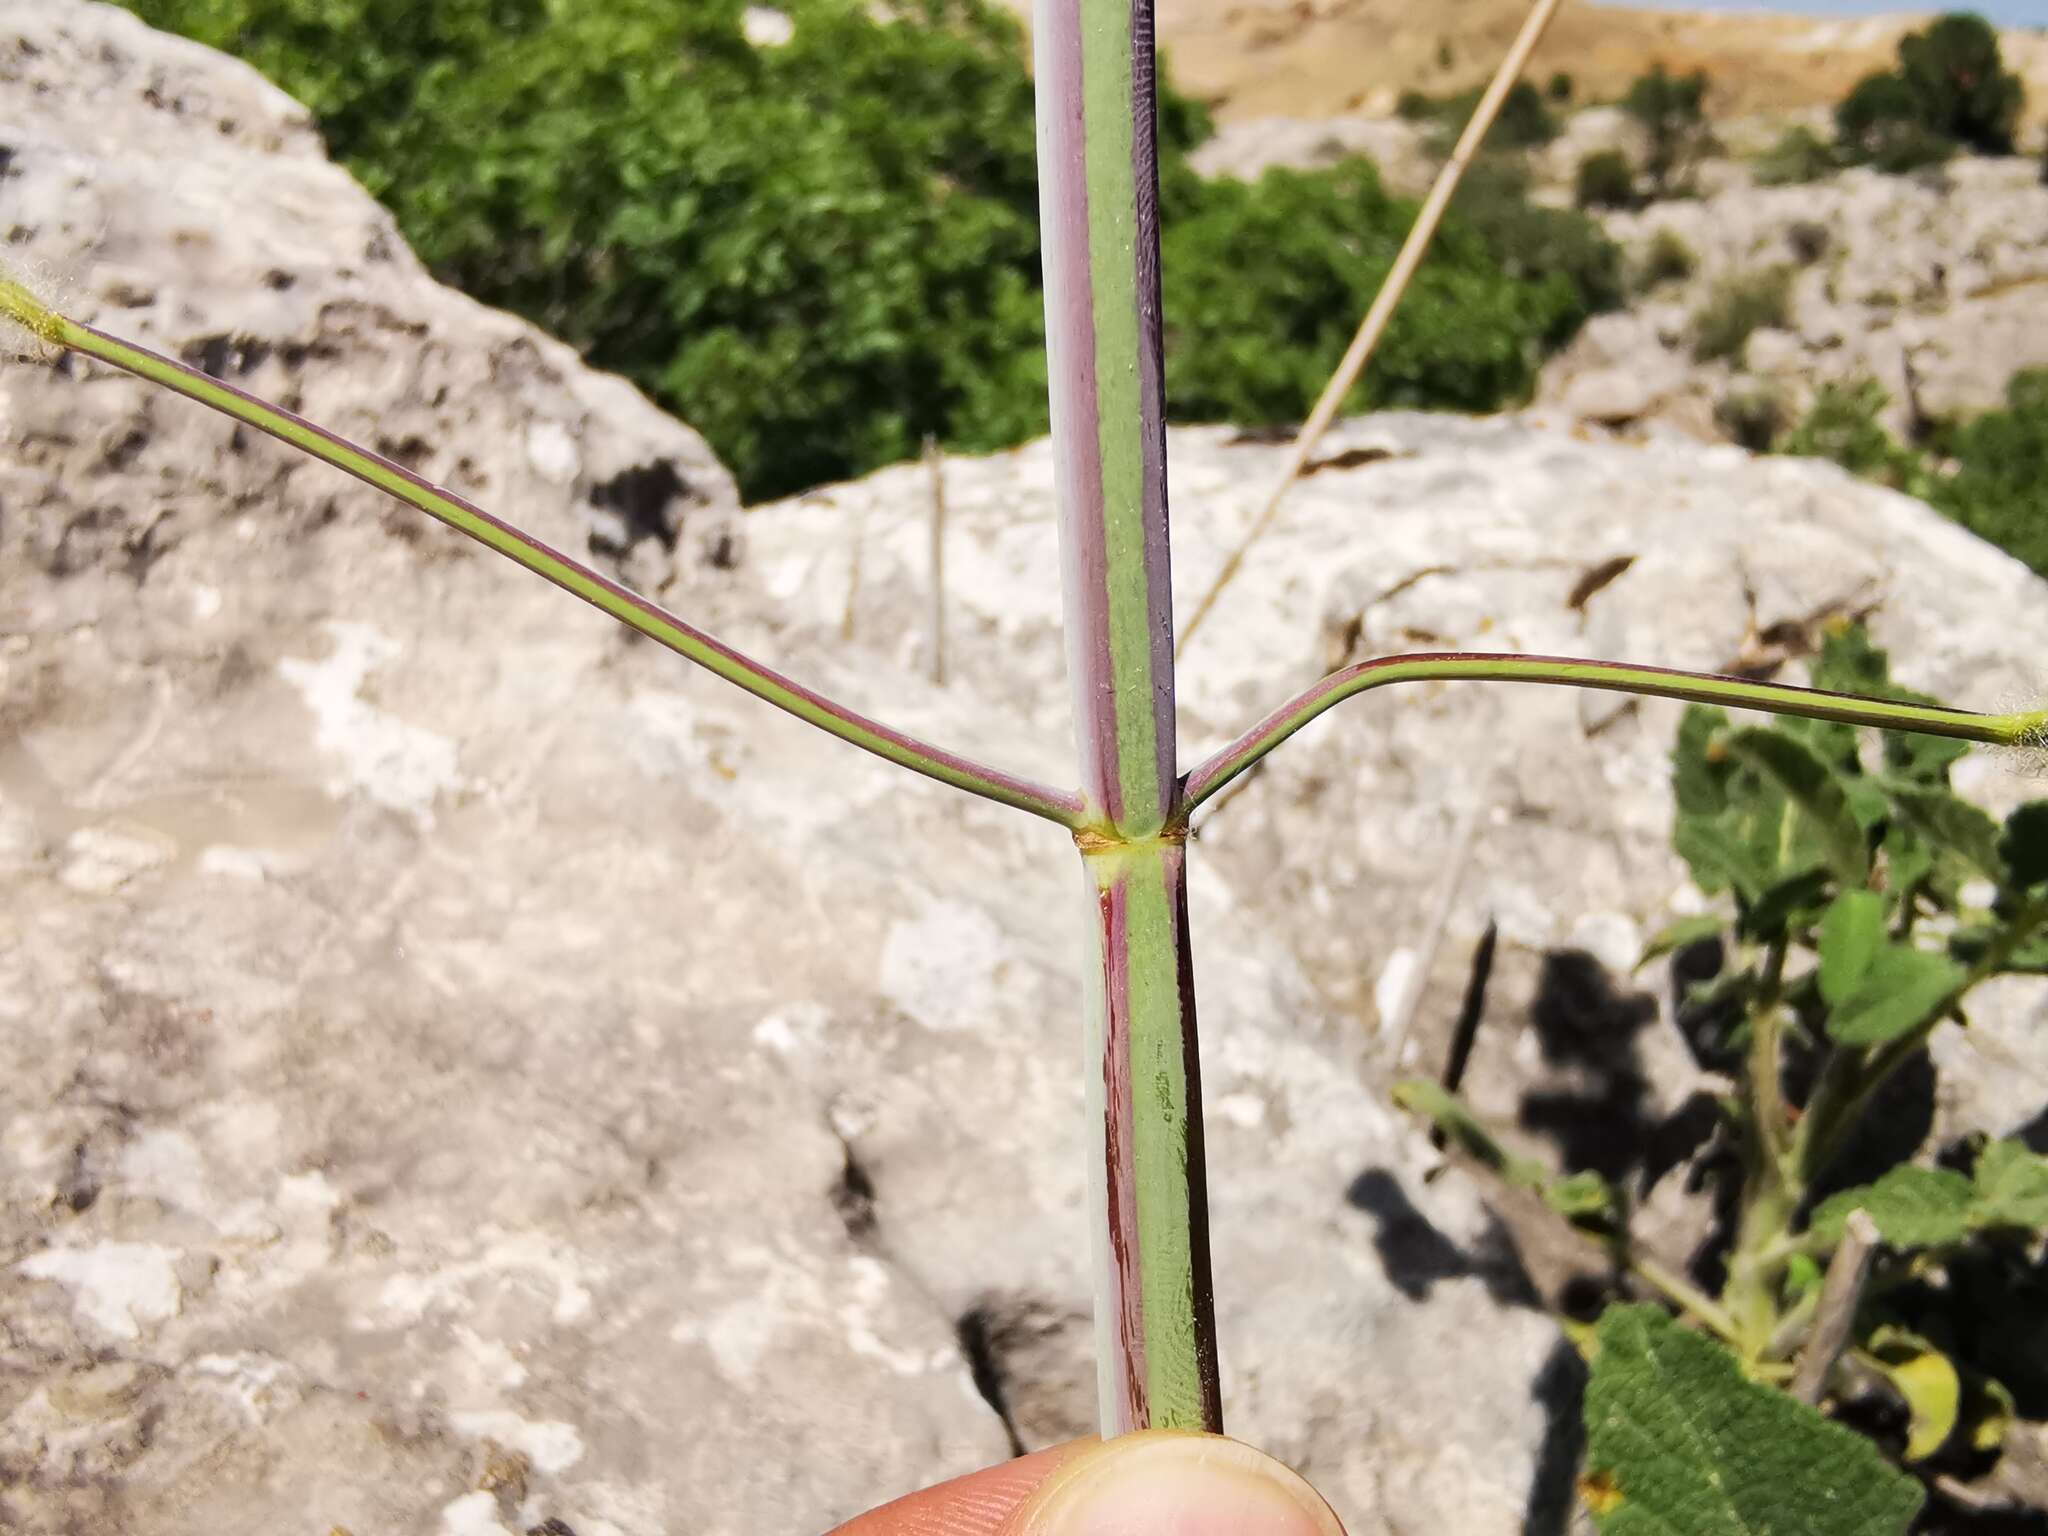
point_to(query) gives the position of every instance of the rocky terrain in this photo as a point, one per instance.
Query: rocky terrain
(462, 1072)
(1315, 59)
(1933, 285)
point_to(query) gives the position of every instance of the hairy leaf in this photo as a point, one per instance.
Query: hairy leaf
(1851, 934)
(1900, 988)
(1680, 1444)
(1815, 789)
(1699, 779)
(2012, 1186)
(1794, 902)
(1913, 1207)
(1953, 823)
(1677, 935)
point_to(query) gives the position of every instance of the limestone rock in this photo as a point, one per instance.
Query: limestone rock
(1247, 147)
(1933, 285)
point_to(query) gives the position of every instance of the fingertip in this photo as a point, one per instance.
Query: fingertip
(979, 1504)
(1166, 1483)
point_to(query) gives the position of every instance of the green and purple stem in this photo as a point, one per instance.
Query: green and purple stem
(566, 572)
(2021, 729)
(1098, 188)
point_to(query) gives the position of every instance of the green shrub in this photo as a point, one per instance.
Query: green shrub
(1524, 121)
(1560, 87)
(1254, 341)
(1800, 155)
(2000, 488)
(1842, 425)
(1753, 414)
(1745, 302)
(1950, 88)
(818, 253)
(1672, 110)
(1535, 244)
(1666, 259)
(1605, 179)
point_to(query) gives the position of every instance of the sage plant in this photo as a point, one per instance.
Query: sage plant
(1129, 814)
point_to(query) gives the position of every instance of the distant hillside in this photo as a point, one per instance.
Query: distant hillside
(1316, 58)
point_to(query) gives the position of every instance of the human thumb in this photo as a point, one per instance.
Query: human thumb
(1164, 1483)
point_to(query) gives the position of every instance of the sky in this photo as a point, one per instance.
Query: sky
(2012, 13)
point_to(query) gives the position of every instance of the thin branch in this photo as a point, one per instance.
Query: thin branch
(1433, 935)
(600, 591)
(1839, 1294)
(936, 464)
(1615, 677)
(1374, 325)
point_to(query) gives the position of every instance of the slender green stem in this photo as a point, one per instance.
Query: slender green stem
(602, 593)
(1099, 228)
(1571, 672)
(1766, 1043)
(1688, 1297)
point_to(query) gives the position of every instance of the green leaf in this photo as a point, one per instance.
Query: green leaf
(1953, 823)
(1913, 1207)
(1851, 934)
(1720, 859)
(1699, 776)
(1899, 989)
(1794, 902)
(1926, 1379)
(1815, 789)
(1584, 1198)
(2023, 850)
(2012, 1187)
(1468, 1131)
(1687, 930)
(1679, 1443)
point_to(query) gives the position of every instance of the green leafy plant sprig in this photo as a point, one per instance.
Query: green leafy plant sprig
(1859, 902)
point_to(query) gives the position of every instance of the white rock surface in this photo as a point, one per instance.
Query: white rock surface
(1935, 285)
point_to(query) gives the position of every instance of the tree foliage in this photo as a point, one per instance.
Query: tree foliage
(1672, 110)
(1949, 88)
(1265, 284)
(820, 250)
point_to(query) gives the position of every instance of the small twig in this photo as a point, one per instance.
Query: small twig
(1471, 1009)
(1470, 1012)
(1840, 1293)
(1433, 935)
(937, 465)
(1374, 325)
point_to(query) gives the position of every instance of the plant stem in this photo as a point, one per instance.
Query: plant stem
(1374, 325)
(1226, 764)
(571, 575)
(1098, 188)
(1836, 1314)
(1155, 1313)
(1772, 1184)
(1688, 1297)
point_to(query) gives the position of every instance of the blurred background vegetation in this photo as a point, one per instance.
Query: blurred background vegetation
(820, 246)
